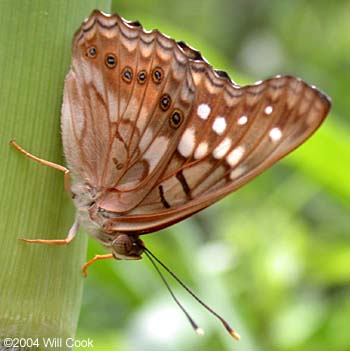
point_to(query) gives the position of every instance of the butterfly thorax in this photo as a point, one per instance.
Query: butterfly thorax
(94, 220)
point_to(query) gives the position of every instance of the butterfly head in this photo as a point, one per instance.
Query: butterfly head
(127, 247)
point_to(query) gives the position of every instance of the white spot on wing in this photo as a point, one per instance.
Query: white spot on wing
(221, 150)
(187, 143)
(242, 120)
(235, 155)
(275, 134)
(201, 150)
(237, 172)
(268, 110)
(203, 111)
(219, 125)
(156, 151)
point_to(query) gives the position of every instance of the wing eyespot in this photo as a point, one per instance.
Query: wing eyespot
(142, 76)
(127, 74)
(176, 118)
(165, 102)
(91, 52)
(157, 75)
(110, 60)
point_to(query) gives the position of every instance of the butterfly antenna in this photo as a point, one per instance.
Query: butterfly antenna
(194, 325)
(152, 257)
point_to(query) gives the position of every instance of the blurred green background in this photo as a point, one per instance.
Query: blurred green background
(273, 258)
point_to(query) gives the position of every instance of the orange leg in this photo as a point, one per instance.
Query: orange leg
(71, 234)
(96, 258)
(46, 163)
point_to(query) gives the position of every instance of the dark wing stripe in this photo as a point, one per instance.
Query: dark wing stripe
(162, 198)
(181, 178)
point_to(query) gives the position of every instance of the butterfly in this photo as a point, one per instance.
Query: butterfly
(152, 134)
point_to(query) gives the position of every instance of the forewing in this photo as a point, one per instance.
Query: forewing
(120, 94)
(234, 133)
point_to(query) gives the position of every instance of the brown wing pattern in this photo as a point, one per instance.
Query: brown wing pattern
(161, 134)
(124, 87)
(237, 133)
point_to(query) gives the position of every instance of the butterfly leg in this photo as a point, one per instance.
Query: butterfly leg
(71, 234)
(46, 163)
(96, 258)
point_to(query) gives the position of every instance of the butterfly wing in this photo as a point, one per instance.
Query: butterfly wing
(117, 107)
(161, 135)
(234, 133)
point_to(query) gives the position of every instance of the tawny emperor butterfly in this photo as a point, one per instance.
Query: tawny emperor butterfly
(153, 134)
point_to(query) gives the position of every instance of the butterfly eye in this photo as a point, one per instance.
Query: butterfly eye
(165, 102)
(122, 244)
(157, 75)
(91, 52)
(142, 76)
(127, 74)
(176, 119)
(110, 60)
